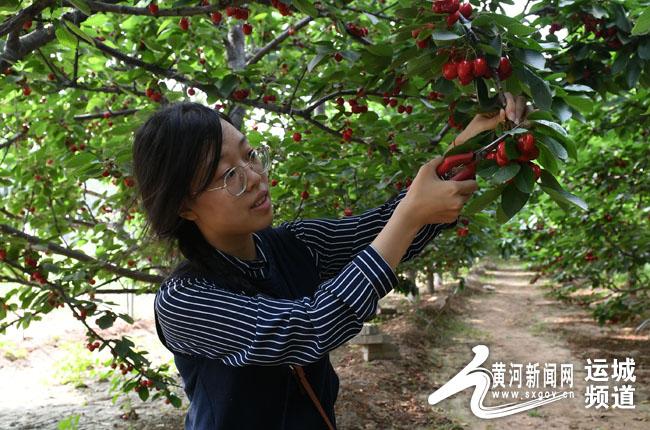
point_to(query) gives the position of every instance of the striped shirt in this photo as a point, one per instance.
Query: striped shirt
(199, 318)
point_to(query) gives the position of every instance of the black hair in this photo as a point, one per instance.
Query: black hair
(169, 163)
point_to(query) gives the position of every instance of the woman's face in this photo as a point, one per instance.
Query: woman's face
(219, 214)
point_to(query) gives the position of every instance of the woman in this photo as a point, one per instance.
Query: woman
(253, 311)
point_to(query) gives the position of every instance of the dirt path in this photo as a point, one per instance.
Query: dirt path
(520, 324)
(515, 321)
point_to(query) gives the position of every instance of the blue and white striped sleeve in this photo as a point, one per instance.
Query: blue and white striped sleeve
(332, 243)
(199, 318)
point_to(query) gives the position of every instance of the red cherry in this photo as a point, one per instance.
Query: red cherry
(505, 68)
(465, 69)
(153, 8)
(338, 57)
(347, 212)
(393, 102)
(247, 29)
(129, 181)
(106, 115)
(216, 17)
(274, 182)
(502, 156)
(526, 142)
(304, 195)
(452, 18)
(415, 33)
(3, 254)
(480, 67)
(401, 109)
(393, 148)
(297, 137)
(191, 91)
(462, 231)
(450, 70)
(466, 10)
(409, 109)
(184, 23)
(422, 43)
(27, 25)
(26, 90)
(230, 10)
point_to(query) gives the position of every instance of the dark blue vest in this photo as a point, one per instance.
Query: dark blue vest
(262, 397)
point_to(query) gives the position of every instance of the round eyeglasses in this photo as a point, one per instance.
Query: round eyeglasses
(235, 179)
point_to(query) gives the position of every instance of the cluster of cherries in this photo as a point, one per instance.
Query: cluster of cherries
(240, 94)
(600, 29)
(283, 8)
(357, 31)
(347, 134)
(153, 95)
(453, 8)
(467, 70)
(589, 256)
(269, 98)
(528, 151)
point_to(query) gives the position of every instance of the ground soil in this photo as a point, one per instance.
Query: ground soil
(516, 320)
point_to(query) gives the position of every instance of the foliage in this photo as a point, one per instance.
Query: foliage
(361, 82)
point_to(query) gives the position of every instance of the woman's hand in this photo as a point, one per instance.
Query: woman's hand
(430, 200)
(515, 110)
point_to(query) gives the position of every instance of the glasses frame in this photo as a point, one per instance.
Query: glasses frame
(262, 148)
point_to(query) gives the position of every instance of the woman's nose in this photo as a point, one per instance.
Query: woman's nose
(254, 178)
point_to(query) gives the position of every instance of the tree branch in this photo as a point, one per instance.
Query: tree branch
(80, 256)
(275, 42)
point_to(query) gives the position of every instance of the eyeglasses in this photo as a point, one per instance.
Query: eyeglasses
(235, 179)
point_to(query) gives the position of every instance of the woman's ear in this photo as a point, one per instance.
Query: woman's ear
(187, 213)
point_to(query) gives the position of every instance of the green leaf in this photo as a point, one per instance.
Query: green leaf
(507, 172)
(532, 58)
(79, 32)
(106, 320)
(305, 7)
(444, 35)
(644, 49)
(525, 179)
(561, 110)
(552, 125)
(65, 36)
(82, 6)
(564, 197)
(318, 58)
(642, 25)
(539, 89)
(512, 200)
(479, 203)
(381, 50)
(579, 88)
(547, 160)
(554, 147)
(512, 25)
(580, 103)
(143, 392)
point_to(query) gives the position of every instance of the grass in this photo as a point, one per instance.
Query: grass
(77, 365)
(534, 413)
(11, 351)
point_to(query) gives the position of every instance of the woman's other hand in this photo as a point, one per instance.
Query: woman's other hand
(516, 110)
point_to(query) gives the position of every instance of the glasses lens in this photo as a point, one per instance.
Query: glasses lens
(236, 181)
(261, 160)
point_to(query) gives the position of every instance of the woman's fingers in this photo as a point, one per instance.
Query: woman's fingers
(520, 108)
(511, 113)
